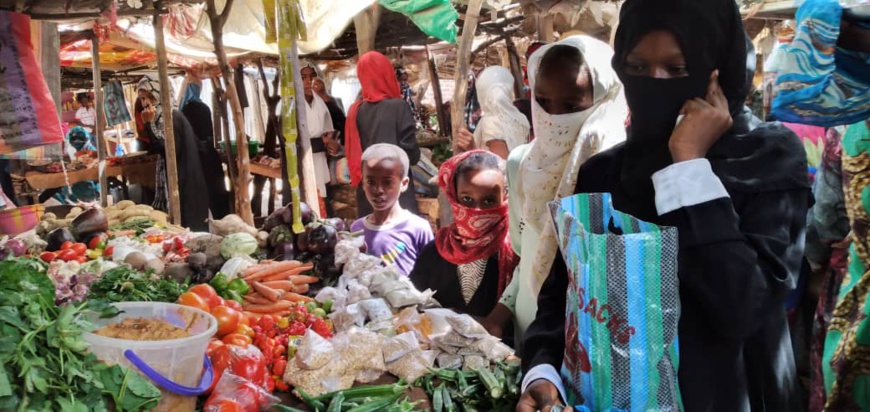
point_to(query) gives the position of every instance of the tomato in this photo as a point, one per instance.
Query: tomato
(68, 255)
(233, 304)
(110, 250)
(207, 293)
(243, 329)
(234, 339)
(226, 405)
(80, 249)
(193, 300)
(66, 245)
(178, 244)
(98, 242)
(228, 319)
(83, 259)
(213, 345)
(48, 257)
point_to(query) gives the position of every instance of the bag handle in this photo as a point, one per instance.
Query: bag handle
(166, 383)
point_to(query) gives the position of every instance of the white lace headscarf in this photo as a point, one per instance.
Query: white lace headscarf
(501, 119)
(564, 142)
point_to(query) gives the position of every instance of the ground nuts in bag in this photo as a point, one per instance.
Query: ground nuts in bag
(466, 326)
(376, 309)
(399, 346)
(315, 351)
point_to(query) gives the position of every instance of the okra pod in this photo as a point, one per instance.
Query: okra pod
(448, 401)
(377, 405)
(285, 408)
(463, 383)
(371, 391)
(315, 404)
(335, 404)
(495, 388)
(438, 399)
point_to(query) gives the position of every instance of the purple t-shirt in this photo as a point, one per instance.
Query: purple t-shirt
(398, 242)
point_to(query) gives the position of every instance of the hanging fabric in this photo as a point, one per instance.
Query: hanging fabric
(114, 104)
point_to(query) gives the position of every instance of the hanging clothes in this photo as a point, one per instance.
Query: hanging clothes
(115, 104)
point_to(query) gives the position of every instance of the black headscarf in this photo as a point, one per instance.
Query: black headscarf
(711, 35)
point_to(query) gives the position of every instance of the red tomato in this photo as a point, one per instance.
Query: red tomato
(207, 293)
(234, 339)
(110, 250)
(243, 329)
(226, 405)
(83, 259)
(228, 320)
(193, 300)
(66, 245)
(244, 362)
(80, 248)
(233, 304)
(213, 345)
(98, 242)
(279, 366)
(48, 257)
(68, 255)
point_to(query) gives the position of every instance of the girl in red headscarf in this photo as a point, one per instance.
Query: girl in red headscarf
(471, 262)
(380, 117)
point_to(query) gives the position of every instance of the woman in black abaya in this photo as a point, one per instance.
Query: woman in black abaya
(736, 189)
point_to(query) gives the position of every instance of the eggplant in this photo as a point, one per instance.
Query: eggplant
(322, 240)
(307, 213)
(16, 246)
(274, 220)
(302, 241)
(326, 268)
(89, 223)
(338, 223)
(285, 251)
(56, 238)
(280, 235)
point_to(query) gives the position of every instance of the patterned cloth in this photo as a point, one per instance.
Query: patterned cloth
(819, 83)
(161, 192)
(115, 104)
(470, 276)
(475, 234)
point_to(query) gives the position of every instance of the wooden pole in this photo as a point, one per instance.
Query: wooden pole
(166, 105)
(243, 198)
(457, 107)
(99, 121)
(545, 27)
(436, 92)
(225, 127)
(515, 65)
(366, 25)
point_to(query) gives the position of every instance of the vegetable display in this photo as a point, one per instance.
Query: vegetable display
(124, 284)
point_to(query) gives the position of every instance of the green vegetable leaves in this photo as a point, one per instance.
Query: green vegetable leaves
(123, 284)
(129, 390)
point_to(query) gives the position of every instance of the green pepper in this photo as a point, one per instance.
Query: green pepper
(239, 286)
(327, 306)
(233, 295)
(220, 283)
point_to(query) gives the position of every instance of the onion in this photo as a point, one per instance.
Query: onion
(16, 246)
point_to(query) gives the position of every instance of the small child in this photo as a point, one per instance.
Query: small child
(391, 233)
(471, 262)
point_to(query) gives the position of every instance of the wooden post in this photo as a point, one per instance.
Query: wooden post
(166, 106)
(243, 198)
(99, 120)
(225, 127)
(436, 92)
(366, 25)
(516, 66)
(457, 107)
(545, 27)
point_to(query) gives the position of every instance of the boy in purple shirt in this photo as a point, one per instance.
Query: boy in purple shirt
(391, 233)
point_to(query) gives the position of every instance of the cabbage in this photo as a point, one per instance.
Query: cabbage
(234, 267)
(237, 245)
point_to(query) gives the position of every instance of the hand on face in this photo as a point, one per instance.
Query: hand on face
(148, 113)
(541, 395)
(704, 122)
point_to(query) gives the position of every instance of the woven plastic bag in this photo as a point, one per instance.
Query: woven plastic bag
(623, 308)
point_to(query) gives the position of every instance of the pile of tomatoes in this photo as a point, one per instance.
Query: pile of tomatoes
(234, 327)
(79, 252)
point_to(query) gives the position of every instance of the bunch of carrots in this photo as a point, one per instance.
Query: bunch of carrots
(276, 287)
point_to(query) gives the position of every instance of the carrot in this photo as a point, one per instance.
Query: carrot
(273, 278)
(301, 289)
(295, 297)
(303, 279)
(253, 316)
(274, 307)
(272, 269)
(256, 299)
(267, 292)
(284, 285)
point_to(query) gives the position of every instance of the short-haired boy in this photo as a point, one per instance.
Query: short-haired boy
(391, 233)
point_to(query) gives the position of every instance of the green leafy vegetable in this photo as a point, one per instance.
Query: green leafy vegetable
(46, 363)
(124, 284)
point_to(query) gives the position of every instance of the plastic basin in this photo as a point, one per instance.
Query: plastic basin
(178, 360)
(16, 221)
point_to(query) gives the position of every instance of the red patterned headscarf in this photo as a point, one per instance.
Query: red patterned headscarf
(378, 80)
(475, 233)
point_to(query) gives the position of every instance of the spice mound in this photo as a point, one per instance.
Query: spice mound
(142, 329)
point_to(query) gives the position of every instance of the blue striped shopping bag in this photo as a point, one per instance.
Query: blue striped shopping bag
(623, 307)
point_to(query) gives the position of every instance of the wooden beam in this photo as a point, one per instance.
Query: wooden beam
(61, 17)
(100, 121)
(457, 107)
(243, 198)
(436, 92)
(516, 66)
(545, 28)
(225, 127)
(166, 103)
(366, 27)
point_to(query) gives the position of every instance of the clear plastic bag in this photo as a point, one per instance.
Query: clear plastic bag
(399, 346)
(407, 297)
(347, 250)
(493, 349)
(473, 362)
(412, 366)
(376, 309)
(466, 326)
(357, 292)
(232, 390)
(350, 316)
(338, 297)
(361, 349)
(314, 352)
(448, 361)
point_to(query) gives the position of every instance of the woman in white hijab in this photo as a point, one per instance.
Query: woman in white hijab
(578, 110)
(318, 122)
(502, 127)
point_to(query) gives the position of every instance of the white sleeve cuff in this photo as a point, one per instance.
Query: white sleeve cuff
(547, 372)
(686, 184)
